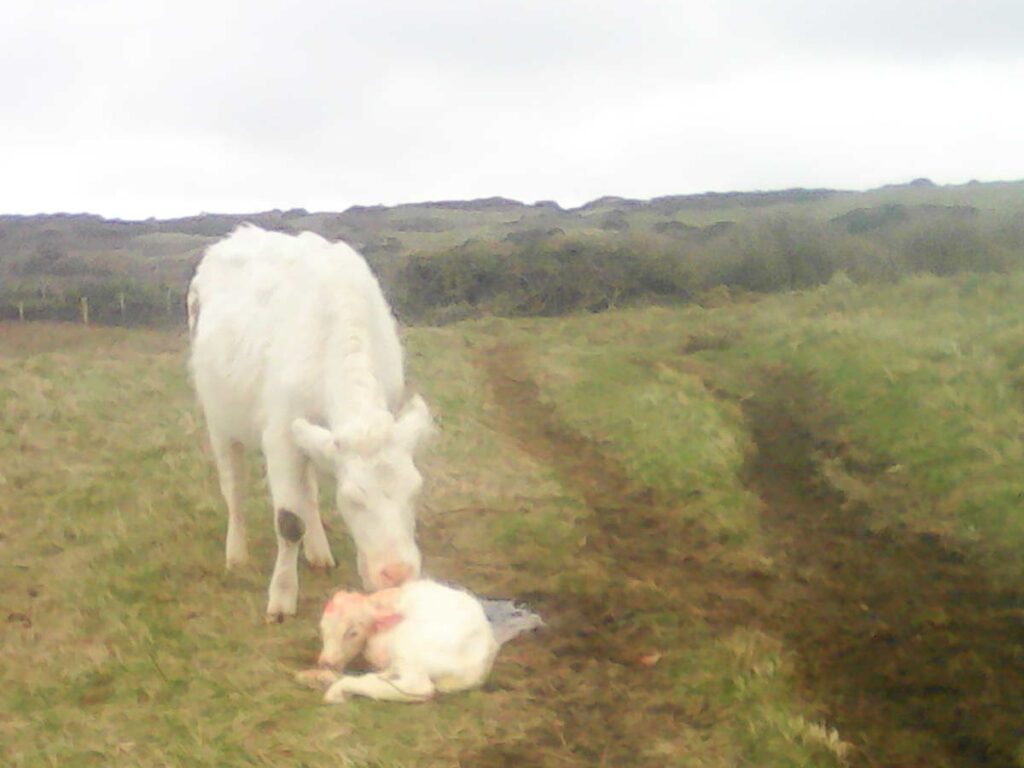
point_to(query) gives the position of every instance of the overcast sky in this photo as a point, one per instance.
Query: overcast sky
(135, 109)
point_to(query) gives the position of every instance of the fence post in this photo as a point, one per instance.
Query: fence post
(120, 299)
(84, 305)
(21, 311)
(167, 301)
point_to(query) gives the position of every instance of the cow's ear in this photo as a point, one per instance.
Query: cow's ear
(317, 443)
(414, 424)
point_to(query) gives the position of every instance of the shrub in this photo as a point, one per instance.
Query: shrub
(544, 271)
(542, 276)
(949, 246)
(769, 255)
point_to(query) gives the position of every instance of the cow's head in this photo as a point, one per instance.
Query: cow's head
(372, 460)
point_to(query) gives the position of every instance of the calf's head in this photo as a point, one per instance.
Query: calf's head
(349, 620)
(377, 486)
(345, 626)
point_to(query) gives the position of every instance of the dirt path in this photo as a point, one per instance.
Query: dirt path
(913, 653)
(901, 641)
(603, 709)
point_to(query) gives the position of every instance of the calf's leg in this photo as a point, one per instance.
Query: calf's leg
(390, 685)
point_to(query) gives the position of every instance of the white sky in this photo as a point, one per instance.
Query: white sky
(133, 109)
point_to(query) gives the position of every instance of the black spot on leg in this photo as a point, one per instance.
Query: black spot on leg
(290, 526)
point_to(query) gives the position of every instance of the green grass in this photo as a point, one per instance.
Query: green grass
(138, 648)
(927, 376)
(126, 643)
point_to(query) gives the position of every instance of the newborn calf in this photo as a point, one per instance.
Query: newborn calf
(422, 636)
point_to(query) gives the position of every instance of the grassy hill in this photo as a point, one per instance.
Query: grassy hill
(671, 247)
(772, 532)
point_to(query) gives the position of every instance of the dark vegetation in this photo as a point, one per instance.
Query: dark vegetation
(446, 261)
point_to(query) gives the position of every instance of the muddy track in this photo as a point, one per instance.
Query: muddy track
(902, 639)
(601, 712)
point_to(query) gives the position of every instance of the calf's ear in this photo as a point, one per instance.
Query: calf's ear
(317, 443)
(414, 424)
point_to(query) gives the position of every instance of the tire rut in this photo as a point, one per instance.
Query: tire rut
(910, 649)
(599, 715)
(900, 640)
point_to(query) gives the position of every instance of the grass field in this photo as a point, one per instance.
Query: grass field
(772, 533)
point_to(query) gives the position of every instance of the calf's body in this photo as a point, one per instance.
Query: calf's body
(422, 637)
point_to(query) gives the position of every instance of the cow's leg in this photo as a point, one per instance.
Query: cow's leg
(230, 459)
(390, 685)
(286, 468)
(314, 544)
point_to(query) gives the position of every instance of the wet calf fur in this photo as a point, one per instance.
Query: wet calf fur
(422, 638)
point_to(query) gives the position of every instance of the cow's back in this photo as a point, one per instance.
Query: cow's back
(265, 305)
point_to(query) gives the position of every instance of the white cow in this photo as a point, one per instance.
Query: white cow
(295, 351)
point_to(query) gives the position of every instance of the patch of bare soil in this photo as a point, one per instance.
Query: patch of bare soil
(909, 648)
(602, 706)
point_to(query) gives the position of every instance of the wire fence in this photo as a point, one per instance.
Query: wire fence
(137, 306)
